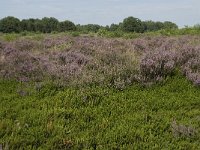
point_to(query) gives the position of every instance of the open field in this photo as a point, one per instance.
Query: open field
(82, 92)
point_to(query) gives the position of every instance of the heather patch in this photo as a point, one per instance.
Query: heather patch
(112, 62)
(63, 92)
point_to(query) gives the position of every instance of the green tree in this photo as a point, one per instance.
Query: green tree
(155, 26)
(32, 25)
(132, 24)
(90, 28)
(149, 25)
(114, 27)
(66, 26)
(49, 24)
(159, 25)
(10, 24)
(28, 25)
(170, 25)
(38, 25)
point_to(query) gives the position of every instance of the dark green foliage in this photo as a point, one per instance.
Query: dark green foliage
(38, 25)
(89, 28)
(197, 26)
(159, 25)
(132, 24)
(49, 24)
(30, 25)
(149, 25)
(9, 24)
(170, 25)
(66, 26)
(155, 26)
(114, 27)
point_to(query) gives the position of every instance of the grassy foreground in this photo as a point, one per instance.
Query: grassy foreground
(160, 117)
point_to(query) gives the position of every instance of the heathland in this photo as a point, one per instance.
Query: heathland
(106, 90)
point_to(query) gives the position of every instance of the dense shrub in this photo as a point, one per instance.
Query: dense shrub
(132, 24)
(86, 60)
(49, 24)
(88, 28)
(192, 70)
(157, 65)
(9, 25)
(66, 26)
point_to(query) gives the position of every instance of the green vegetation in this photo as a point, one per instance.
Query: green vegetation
(49, 117)
(129, 28)
(132, 24)
(108, 34)
(10, 24)
(72, 90)
(47, 25)
(66, 26)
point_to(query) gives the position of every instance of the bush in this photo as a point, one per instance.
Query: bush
(132, 24)
(9, 25)
(66, 26)
(87, 60)
(156, 66)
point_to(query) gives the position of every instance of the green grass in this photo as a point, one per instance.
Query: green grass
(99, 117)
(103, 33)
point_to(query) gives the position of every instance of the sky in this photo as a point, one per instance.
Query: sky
(105, 12)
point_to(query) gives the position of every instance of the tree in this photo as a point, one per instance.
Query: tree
(28, 25)
(197, 26)
(38, 25)
(107, 28)
(159, 25)
(155, 26)
(24, 25)
(90, 28)
(49, 24)
(114, 27)
(132, 24)
(149, 25)
(170, 25)
(66, 26)
(9, 24)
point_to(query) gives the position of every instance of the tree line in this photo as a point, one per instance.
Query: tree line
(50, 24)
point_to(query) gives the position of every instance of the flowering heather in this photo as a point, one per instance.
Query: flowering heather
(26, 44)
(2, 44)
(192, 70)
(19, 64)
(49, 42)
(157, 65)
(186, 53)
(89, 60)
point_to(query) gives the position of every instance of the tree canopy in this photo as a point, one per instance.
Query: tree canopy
(66, 26)
(10, 24)
(49, 24)
(132, 24)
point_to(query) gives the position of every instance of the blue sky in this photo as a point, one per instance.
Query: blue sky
(105, 12)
